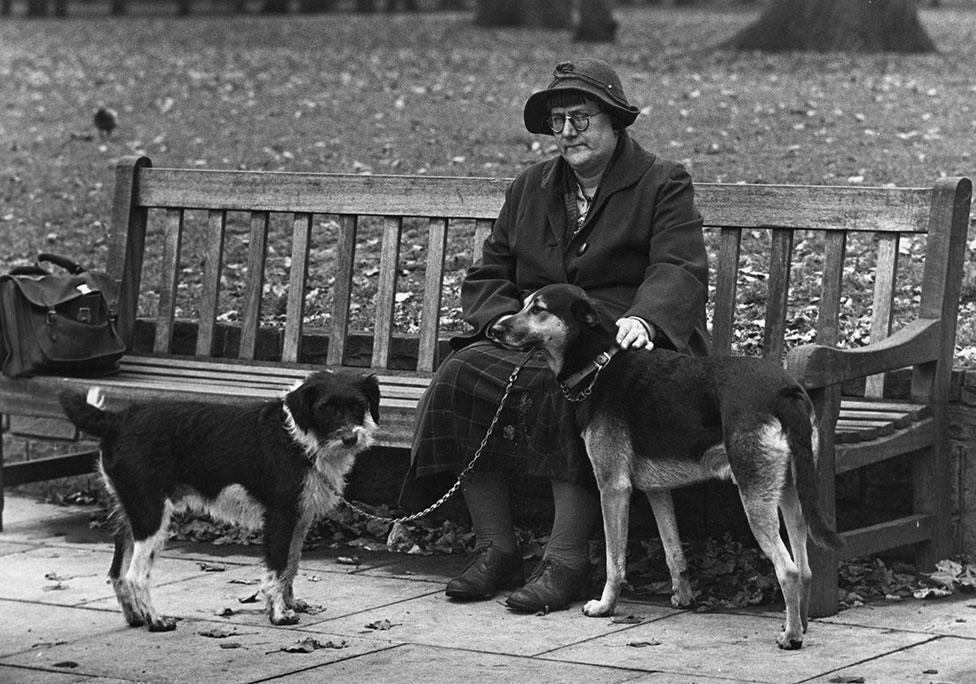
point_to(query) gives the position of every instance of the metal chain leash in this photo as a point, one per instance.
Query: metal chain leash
(464, 473)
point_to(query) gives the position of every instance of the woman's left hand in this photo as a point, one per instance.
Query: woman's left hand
(632, 333)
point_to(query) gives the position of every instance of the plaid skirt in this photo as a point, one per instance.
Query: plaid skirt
(536, 432)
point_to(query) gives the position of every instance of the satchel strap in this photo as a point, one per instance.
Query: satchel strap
(64, 262)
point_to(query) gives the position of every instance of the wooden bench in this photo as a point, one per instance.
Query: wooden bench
(236, 283)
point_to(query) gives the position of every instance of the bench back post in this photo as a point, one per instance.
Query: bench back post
(127, 241)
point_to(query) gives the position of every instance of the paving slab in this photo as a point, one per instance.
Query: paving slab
(217, 595)
(23, 675)
(411, 663)
(188, 654)
(943, 660)
(72, 575)
(950, 616)
(735, 645)
(486, 626)
(26, 626)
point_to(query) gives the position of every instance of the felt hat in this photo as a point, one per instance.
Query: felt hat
(592, 77)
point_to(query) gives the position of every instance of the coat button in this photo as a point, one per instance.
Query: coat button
(582, 249)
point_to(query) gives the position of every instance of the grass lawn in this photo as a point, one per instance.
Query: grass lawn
(433, 94)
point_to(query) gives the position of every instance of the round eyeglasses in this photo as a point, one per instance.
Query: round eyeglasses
(580, 121)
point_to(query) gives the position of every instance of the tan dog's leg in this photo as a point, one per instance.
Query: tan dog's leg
(615, 503)
(796, 528)
(761, 510)
(667, 526)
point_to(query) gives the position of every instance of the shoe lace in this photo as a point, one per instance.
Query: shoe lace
(541, 569)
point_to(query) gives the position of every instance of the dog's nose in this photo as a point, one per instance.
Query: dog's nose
(350, 439)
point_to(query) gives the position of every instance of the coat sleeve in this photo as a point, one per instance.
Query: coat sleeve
(489, 288)
(674, 290)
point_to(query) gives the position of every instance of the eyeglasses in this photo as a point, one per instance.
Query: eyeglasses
(580, 121)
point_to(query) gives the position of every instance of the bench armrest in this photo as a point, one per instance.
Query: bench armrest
(817, 365)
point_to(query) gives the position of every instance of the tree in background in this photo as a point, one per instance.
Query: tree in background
(836, 25)
(551, 14)
(591, 20)
(594, 22)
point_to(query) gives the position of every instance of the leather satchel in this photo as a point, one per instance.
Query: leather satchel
(58, 324)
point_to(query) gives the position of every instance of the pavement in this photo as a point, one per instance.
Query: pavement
(386, 619)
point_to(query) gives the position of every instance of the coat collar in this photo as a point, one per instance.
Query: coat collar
(628, 164)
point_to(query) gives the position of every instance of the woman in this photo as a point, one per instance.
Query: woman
(617, 221)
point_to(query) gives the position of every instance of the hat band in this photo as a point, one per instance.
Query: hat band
(605, 87)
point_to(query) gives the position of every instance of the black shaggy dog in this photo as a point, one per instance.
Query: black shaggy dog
(277, 464)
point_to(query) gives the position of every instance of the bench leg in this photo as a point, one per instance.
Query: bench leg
(1, 480)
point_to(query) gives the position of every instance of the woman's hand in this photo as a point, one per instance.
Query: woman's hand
(633, 332)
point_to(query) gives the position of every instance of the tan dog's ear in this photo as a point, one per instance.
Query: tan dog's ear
(585, 313)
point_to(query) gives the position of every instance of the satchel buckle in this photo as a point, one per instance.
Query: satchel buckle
(84, 314)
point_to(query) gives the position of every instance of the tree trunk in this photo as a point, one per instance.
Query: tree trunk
(117, 8)
(183, 8)
(595, 22)
(836, 25)
(60, 8)
(549, 14)
(36, 8)
(274, 7)
(315, 6)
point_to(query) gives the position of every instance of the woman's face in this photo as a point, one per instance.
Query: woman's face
(587, 151)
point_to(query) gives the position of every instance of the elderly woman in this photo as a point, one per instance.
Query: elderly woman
(619, 222)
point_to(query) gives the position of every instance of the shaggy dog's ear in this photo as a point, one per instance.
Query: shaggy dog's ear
(371, 388)
(299, 402)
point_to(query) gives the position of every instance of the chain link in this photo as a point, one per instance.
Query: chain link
(464, 473)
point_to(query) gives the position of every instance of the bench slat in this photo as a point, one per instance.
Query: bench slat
(431, 306)
(777, 299)
(386, 290)
(301, 238)
(726, 280)
(212, 267)
(885, 272)
(342, 288)
(814, 207)
(257, 251)
(172, 239)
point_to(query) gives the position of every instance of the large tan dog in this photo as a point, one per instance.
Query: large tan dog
(659, 420)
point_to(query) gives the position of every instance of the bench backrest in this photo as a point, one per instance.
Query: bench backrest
(757, 233)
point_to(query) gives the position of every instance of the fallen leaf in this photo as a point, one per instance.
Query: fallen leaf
(627, 620)
(847, 679)
(309, 644)
(68, 664)
(250, 598)
(381, 624)
(643, 644)
(349, 560)
(211, 567)
(231, 644)
(217, 633)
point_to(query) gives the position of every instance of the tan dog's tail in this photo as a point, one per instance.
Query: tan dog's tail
(796, 412)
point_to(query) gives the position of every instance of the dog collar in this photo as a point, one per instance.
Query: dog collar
(594, 368)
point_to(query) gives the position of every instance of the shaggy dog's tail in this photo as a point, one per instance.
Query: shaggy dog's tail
(796, 412)
(87, 414)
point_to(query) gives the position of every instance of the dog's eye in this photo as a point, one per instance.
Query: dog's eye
(536, 308)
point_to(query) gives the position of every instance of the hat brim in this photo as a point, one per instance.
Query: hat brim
(537, 111)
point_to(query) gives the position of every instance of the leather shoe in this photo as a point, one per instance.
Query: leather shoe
(489, 570)
(552, 586)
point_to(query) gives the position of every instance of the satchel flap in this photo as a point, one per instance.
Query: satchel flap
(50, 292)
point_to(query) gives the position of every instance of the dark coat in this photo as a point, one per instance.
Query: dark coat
(641, 251)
